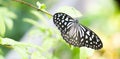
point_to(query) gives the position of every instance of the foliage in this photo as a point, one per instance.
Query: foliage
(16, 19)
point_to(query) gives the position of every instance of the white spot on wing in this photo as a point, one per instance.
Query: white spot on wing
(95, 42)
(90, 42)
(88, 32)
(59, 23)
(86, 37)
(59, 15)
(58, 19)
(65, 23)
(63, 16)
(66, 18)
(62, 21)
(82, 32)
(86, 41)
(90, 39)
(70, 19)
(82, 39)
(76, 38)
(92, 36)
(97, 39)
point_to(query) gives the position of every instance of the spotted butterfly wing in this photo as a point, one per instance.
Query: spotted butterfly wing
(75, 33)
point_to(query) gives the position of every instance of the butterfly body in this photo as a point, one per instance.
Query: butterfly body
(76, 34)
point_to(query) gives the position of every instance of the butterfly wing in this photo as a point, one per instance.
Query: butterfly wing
(89, 38)
(62, 21)
(76, 34)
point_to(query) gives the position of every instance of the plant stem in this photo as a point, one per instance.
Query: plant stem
(23, 2)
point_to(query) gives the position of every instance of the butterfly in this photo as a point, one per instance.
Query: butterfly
(76, 34)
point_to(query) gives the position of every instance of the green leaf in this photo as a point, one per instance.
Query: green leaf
(7, 13)
(70, 11)
(2, 26)
(41, 6)
(33, 22)
(22, 48)
(7, 41)
(1, 54)
(5, 19)
(9, 23)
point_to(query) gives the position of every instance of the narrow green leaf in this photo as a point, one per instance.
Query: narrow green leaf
(7, 41)
(9, 23)
(33, 22)
(2, 26)
(1, 54)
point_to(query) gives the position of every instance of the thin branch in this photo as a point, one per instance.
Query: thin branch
(23, 2)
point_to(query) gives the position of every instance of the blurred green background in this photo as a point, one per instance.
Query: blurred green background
(19, 22)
